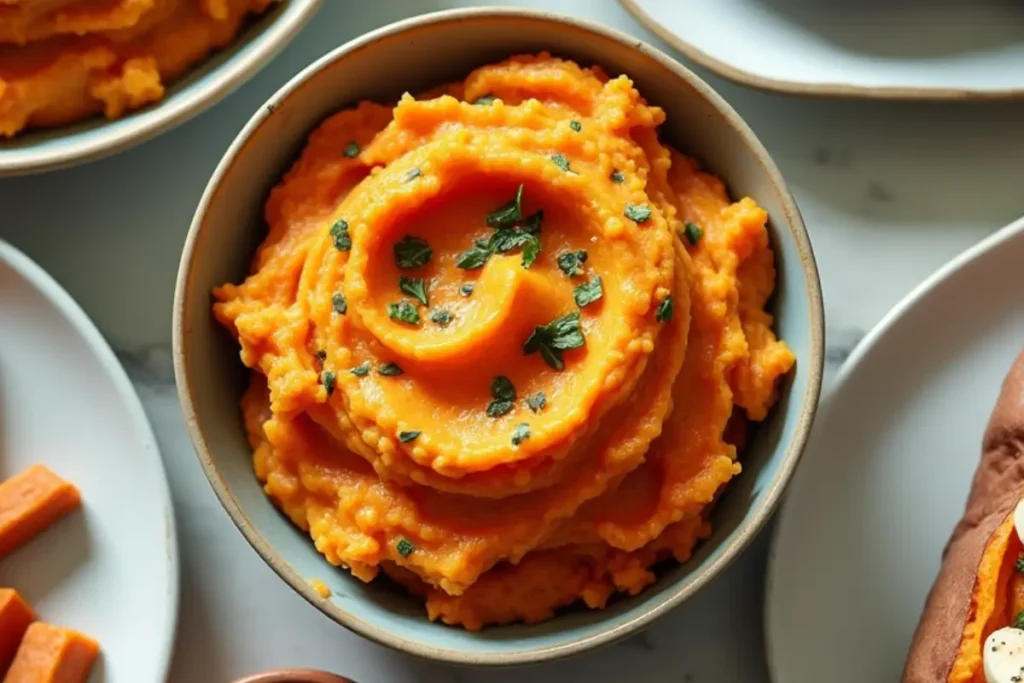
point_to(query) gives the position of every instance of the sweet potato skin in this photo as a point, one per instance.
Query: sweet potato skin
(938, 651)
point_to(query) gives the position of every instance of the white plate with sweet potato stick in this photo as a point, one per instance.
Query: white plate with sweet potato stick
(109, 569)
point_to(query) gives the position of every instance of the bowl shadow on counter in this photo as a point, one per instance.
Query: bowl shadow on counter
(906, 29)
(377, 610)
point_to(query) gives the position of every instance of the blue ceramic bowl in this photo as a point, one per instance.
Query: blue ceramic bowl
(228, 225)
(202, 87)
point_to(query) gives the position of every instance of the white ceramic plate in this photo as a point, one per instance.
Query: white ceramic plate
(110, 570)
(900, 49)
(202, 87)
(886, 473)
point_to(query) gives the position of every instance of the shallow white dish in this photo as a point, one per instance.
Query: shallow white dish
(940, 49)
(202, 87)
(110, 569)
(886, 473)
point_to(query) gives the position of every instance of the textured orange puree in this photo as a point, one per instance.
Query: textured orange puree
(493, 507)
(64, 60)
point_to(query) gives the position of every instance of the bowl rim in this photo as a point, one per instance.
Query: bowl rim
(164, 115)
(748, 529)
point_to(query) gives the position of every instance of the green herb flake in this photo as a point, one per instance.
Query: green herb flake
(618, 176)
(339, 303)
(405, 312)
(412, 252)
(441, 317)
(352, 150)
(692, 232)
(503, 397)
(576, 126)
(588, 292)
(406, 437)
(571, 262)
(466, 289)
(561, 162)
(361, 370)
(1018, 621)
(509, 213)
(550, 340)
(536, 402)
(476, 256)
(507, 239)
(1020, 564)
(328, 380)
(665, 311)
(532, 223)
(412, 174)
(414, 287)
(520, 434)
(485, 99)
(640, 213)
(390, 370)
(403, 546)
(321, 355)
(339, 233)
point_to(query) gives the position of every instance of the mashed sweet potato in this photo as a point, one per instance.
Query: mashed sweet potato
(505, 342)
(64, 60)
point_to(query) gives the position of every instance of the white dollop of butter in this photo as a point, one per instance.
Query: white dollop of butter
(1003, 656)
(1018, 520)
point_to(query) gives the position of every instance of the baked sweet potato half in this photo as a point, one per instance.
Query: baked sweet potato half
(972, 627)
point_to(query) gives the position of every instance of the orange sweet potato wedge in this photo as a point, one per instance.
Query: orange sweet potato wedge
(15, 617)
(30, 501)
(979, 588)
(52, 654)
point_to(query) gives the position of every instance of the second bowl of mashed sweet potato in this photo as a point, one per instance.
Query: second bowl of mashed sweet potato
(504, 358)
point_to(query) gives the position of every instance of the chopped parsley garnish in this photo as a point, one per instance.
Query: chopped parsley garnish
(339, 303)
(1018, 621)
(618, 176)
(551, 339)
(352, 149)
(588, 292)
(507, 239)
(692, 232)
(1020, 564)
(509, 213)
(406, 437)
(476, 256)
(561, 162)
(328, 379)
(485, 99)
(665, 311)
(640, 213)
(412, 252)
(403, 546)
(520, 434)
(441, 316)
(532, 223)
(571, 262)
(536, 402)
(339, 232)
(361, 370)
(466, 289)
(390, 370)
(411, 174)
(321, 355)
(414, 287)
(504, 397)
(404, 312)
(576, 126)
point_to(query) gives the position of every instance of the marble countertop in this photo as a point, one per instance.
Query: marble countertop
(889, 191)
